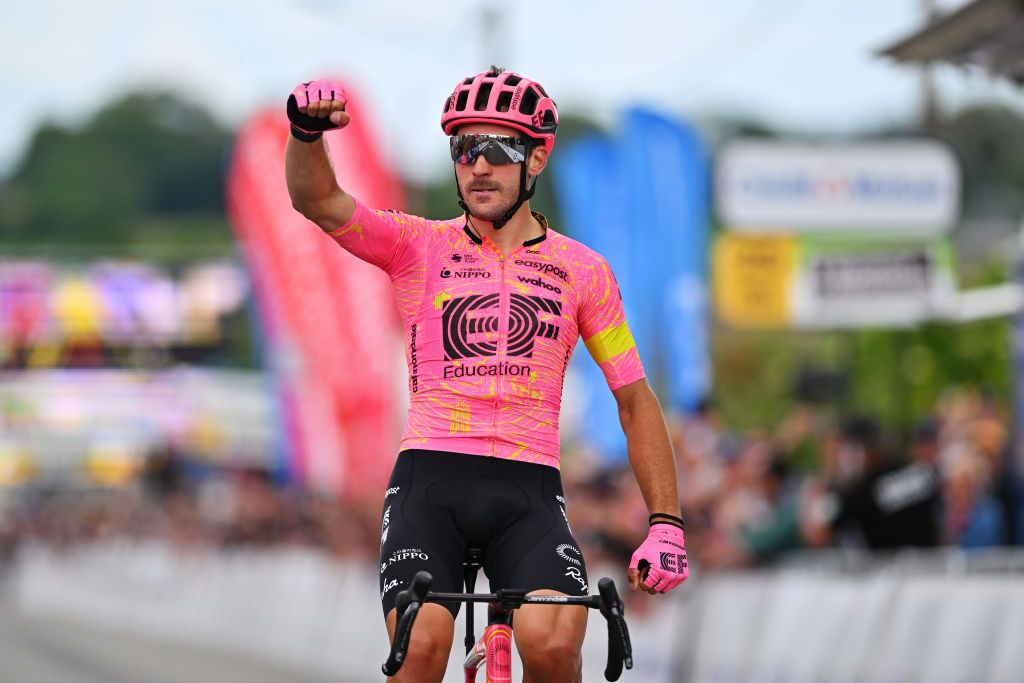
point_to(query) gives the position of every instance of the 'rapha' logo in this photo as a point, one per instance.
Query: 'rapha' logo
(575, 573)
(388, 585)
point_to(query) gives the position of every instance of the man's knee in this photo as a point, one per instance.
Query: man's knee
(555, 660)
(428, 651)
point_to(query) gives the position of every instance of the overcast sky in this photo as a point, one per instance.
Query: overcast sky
(805, 65)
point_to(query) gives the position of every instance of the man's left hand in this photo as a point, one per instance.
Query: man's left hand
(659, 564)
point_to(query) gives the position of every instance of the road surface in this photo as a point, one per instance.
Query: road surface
(36, 649)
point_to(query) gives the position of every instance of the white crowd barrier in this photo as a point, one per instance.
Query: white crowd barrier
(917, 622)
(895, 625)
(295, 607)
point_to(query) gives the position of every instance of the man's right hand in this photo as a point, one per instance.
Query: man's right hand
(316, 107)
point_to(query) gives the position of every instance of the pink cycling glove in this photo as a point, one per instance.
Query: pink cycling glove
(310, 128)
(665, 553)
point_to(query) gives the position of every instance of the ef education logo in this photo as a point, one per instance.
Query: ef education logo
(470, 324)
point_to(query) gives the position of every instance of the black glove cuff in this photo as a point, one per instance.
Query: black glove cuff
(305, 136)
(662, 518)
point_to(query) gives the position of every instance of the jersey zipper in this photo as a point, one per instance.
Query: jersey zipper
(503, 309)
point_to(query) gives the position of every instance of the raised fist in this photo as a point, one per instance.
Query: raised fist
(316, 107)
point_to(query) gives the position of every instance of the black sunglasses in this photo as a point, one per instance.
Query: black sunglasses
(496, 149)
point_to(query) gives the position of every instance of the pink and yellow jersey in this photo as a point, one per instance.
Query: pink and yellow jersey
(487, 336)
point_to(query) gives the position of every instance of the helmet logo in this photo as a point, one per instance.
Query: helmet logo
(538, 119)
(514, 106)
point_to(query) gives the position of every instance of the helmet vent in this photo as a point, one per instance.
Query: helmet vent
(482, 96)
(529, 103)
(468, 81)
(541, 89)
(504, 101)
(460, 105)
(512, 80)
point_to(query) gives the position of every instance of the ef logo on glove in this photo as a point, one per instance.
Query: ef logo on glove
(674, 562)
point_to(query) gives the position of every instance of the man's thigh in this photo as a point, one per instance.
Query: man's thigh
(549, 630)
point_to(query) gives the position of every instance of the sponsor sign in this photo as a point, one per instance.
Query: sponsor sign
(897, 186)
(753, 279)
(831, 283)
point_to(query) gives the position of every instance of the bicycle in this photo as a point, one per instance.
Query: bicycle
(494, 648)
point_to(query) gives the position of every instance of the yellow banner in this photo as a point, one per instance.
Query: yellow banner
(753, 278)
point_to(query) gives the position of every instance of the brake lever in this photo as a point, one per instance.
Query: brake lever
(407, 606)
(620, 650)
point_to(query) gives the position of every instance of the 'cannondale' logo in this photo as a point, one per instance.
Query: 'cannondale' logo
(470, 324)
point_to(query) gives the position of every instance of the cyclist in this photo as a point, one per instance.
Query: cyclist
(492, 303)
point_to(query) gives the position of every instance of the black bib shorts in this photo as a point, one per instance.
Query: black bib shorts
(439, 504)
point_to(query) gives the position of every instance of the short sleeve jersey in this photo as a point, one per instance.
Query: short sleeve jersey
(488, 336)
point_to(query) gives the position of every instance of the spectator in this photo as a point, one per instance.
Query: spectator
(891, 505)
(973, 516)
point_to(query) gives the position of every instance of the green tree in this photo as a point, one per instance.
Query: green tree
(989, 143)
(145, 166)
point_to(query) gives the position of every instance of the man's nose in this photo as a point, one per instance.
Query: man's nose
(481, 166)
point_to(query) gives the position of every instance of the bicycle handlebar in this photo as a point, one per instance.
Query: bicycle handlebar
(408, 602)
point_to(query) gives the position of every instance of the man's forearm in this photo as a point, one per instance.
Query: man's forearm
(312, 185)
(650, 451)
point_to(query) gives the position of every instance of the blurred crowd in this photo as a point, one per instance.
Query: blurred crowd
(816, 481)
(747, 497)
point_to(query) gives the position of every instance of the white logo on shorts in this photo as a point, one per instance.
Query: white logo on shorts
(566, 518)
(403, 554)
(575, 573)
(569, 553)
(388, 585)
(385, 525)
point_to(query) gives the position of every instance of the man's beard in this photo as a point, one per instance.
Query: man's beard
(495, 209)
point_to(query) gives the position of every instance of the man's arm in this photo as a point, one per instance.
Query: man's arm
(648, 446)
(660, 563)
(312, 185)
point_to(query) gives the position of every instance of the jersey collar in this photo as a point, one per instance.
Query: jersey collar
(528, 243)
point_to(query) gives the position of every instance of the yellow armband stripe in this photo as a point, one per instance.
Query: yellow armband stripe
(609, 343)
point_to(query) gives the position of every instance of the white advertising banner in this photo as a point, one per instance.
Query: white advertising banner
(891, 186)
(862, 287)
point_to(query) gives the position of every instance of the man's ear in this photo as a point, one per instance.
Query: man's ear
(537, 161)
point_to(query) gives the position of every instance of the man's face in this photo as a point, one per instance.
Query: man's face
(491, 189)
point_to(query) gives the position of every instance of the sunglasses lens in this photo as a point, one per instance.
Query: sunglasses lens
(496, 149)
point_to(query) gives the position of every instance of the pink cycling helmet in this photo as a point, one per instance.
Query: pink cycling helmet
(505, 98)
